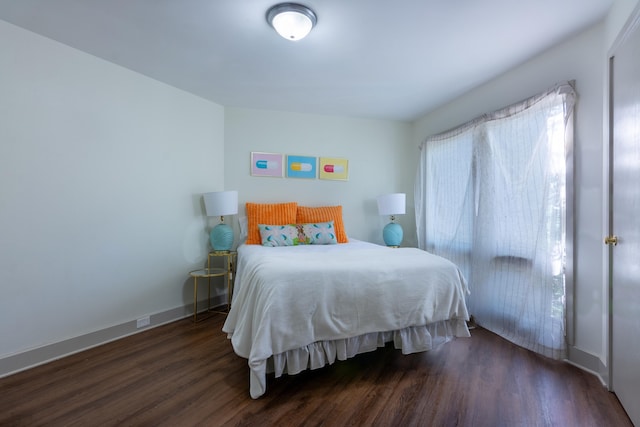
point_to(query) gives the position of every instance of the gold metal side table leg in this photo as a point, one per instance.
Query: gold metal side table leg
(228, 279)
(195, 298)
(209, 294)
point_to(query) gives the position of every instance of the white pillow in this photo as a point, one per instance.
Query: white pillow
(243, 222)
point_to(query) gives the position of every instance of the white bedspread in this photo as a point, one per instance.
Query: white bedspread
(292, 301)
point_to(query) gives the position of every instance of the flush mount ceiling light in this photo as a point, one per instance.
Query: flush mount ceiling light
(291, 20)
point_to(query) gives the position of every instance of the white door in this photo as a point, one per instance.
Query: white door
(625, 205)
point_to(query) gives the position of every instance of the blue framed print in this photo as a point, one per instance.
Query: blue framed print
(301, 167)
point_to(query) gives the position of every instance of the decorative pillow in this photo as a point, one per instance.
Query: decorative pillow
(267, 213)
(320, 233)
(323, 214)
(298, 234)
(278, 235)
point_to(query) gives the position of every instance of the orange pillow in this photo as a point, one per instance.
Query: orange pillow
(267, 213)
(324, 214)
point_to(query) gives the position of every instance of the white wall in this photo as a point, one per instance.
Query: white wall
(377, 151)
(582, 59)
(619, 13)
(101, 175)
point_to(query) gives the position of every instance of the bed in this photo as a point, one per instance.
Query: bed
(303, 307)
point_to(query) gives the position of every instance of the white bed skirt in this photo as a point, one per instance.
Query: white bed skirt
(413, 339)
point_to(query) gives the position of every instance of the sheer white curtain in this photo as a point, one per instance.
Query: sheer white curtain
(443, 197)
(491, 196)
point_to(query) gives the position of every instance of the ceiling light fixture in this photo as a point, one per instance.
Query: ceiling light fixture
(292, 21)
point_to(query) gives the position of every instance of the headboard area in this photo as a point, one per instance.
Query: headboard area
(290, 213)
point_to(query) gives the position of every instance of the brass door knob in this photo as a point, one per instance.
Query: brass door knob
(611, 240)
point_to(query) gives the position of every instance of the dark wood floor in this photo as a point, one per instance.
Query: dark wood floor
(185, 374)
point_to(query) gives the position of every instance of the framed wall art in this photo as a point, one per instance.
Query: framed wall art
(267, 164)
(301, 167)
(333, 168)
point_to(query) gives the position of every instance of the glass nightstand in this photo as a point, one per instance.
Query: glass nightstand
(229, 265)
(204, 273)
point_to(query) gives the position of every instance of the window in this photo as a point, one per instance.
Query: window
(491, 197)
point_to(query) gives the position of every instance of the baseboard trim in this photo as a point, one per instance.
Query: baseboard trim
(589, 363)
(38, 356)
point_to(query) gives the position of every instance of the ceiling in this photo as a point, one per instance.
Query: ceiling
(367, 58)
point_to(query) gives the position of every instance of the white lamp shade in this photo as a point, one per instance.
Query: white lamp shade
(221, 203)
(392, 204)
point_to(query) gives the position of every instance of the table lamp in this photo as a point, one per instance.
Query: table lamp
(392, 204)
(221, 203)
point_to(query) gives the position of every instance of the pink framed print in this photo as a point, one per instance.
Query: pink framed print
(267, 164)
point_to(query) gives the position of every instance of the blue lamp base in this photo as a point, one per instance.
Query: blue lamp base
(221, 238)
(392, 234)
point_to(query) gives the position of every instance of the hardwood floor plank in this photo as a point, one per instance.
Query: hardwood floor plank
(186, 374)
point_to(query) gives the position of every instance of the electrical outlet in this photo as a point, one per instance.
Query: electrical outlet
(143, 321)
